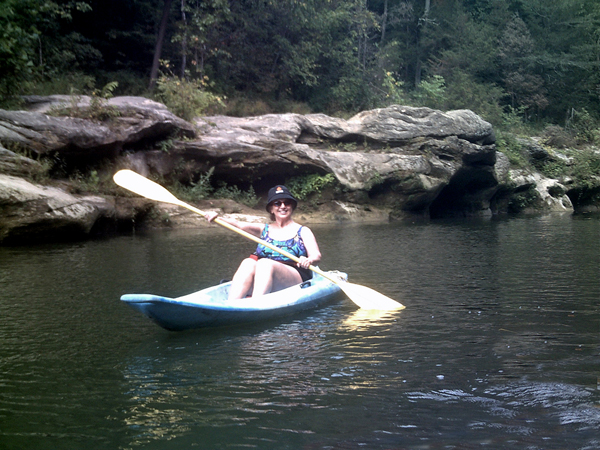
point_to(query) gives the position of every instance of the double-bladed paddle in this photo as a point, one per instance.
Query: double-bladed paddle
(363, 296)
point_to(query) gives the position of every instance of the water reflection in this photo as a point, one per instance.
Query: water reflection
(367, 318)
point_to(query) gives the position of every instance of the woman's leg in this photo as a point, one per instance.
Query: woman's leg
(243, 279)
(271, 276)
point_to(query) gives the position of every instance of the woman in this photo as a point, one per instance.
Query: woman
(267, 270)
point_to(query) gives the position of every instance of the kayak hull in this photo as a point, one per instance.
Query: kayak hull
(211, 308)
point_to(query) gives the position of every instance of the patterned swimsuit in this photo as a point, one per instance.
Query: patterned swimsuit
(295, 246)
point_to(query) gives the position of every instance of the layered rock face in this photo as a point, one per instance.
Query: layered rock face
(398, 157)
(401, 161)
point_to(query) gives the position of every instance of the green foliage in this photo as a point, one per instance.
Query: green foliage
(304, 186)
(86, 182)
(234, 193)
(432, 92)
(394, 90)
(194, 190)
(536, 60)
(38, 170)
(202, 188)
(165, 145)
(584, 127)
(514, 119)
(586, 169)
(186, 98)
(32, 43)
(464, 91)
(65, 84)
(18, 36)
(522, 200)
(553, 168)
(508, 144)
(95, 180)
(98, 108)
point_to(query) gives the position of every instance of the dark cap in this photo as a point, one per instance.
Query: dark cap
(280, 192)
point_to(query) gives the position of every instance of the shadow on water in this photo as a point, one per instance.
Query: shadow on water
(497, 348)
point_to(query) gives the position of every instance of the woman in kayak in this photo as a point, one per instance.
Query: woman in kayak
(267, 270)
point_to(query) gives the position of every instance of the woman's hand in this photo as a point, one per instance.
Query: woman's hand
(304, 262)
(211, 215)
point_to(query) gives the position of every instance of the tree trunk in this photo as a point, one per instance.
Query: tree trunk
(159, 43)
(384, 20)
(422, 25)
(183, 41)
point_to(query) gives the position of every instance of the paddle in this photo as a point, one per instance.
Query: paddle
(363, 296)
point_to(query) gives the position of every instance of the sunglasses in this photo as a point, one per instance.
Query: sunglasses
(278, 203)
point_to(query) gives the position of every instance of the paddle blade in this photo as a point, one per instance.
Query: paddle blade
(367, 298)
(140, 185)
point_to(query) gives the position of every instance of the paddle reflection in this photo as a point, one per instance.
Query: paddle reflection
(371, 318)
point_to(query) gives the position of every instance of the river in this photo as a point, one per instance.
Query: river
(498, 346)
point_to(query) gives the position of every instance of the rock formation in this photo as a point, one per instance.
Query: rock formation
(393, 162)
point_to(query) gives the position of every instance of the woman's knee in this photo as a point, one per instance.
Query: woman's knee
(265, 265)
(247, 266)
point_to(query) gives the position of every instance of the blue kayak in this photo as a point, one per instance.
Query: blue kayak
(211, 308)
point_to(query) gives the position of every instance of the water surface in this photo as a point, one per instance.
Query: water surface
(497, 348)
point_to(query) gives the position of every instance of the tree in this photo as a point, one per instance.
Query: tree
(200, 33)
(30, 35)
(516, 48)
(159, 43)
(422, 29)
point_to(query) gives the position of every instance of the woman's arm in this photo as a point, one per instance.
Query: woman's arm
(312, 249)
(252, 228)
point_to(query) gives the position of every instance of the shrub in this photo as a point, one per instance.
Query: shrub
(306, 185)
(432, 92)
(99, 109)
(195, 190)
(234, 193)
(508, 144)
(394, 93)
(586, 169)
(584, 127)
(463, 91)
(557, 137)
(66, 84)
(245, 107)
(186, 98)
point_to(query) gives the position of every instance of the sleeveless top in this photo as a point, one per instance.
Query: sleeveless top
(295, 246)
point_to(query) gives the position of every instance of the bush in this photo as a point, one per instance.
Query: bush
(186, 98)
(583, 126)
(246, 107)
(234, 193)
(65, 84)
(306, 185)
(464, 92)
(99, 109)
(195, 190)
(393, 89)
(508, 144)
(557, 137)
(432, 92)
(586, 169)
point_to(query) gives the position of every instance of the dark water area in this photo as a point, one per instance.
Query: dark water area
(498, 346)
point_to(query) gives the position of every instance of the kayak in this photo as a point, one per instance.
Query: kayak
(210, 307)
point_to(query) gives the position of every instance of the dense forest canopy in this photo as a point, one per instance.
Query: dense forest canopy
(536, 61)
